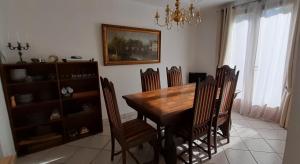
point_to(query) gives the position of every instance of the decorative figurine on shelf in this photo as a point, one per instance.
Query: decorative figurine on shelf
(84, 130)
(72, 133)
(19, 48)
(13, 101)
(35, 60)
(67, 91)
(55, 115)
(53, 59)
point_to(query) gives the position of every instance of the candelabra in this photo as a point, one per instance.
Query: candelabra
(19, 48)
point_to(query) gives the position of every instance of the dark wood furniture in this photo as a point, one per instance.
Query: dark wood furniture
(128, 134)
(196, 76)
(32, 101)
(165, 107)
(174, 76)
(150, 80)
(223, 111)
(221, 72)
(199, 122)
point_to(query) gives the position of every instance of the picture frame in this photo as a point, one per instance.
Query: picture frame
(123, 45)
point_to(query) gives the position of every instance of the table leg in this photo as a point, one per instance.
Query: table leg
(140, 116)
(170, 147)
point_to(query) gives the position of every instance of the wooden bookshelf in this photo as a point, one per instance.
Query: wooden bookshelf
(31, 102)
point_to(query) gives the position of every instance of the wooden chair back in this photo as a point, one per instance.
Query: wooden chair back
(227, 96)
(111, 106)
(204, 101)
(174, 76)
(220, 77)
(150, 80)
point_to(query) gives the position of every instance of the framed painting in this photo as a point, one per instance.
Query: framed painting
(129, 45)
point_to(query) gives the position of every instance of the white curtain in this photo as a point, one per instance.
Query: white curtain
(258, 46)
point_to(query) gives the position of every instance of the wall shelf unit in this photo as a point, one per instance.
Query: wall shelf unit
(41, 114)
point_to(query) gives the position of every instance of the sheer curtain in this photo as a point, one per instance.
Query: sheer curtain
(258, 46)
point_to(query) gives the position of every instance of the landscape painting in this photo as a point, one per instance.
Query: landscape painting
(129, 45)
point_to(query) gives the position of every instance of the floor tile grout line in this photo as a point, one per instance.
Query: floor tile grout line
(256, 150)
(226, 156)
(275, 152)
(253, 157)
(249, 148)
(107, 144)
(93, 148)
(266, 140)
(96, 156)
(71, 156)
(99, 150)
(264, 152)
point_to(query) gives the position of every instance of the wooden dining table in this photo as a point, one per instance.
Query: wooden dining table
(165, 107)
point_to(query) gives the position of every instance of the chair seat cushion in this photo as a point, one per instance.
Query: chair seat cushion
(138, 131)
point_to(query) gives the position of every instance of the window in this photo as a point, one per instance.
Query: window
(271, 56)
(258, 46)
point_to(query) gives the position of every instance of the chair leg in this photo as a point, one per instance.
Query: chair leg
(190, 151)
(156, 148)
(124, 156)
(215, 138)
(112, 148)
(140, 116)
(158, 135)
(209, 145)
(228, 132)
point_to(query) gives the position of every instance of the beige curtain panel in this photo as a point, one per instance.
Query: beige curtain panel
(291, 72)
(226, 23)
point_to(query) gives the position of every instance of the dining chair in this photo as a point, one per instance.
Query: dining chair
(199, 122)
(223, 111)
(174, 76)
(128, 134)
(150, 79)
(220, 77)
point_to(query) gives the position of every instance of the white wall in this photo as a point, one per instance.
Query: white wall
(72, 27)
(2, 108)
(291, 155)
(6, 143)
(206, 42)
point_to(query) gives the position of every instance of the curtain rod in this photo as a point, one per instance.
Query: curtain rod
(246, 3)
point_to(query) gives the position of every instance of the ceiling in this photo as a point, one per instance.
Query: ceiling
(200, 3)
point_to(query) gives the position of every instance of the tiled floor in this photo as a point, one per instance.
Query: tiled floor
(252, 141)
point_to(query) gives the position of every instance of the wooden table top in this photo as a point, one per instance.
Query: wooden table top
(163, 106)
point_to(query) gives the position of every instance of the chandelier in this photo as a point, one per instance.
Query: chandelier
(179, 16)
